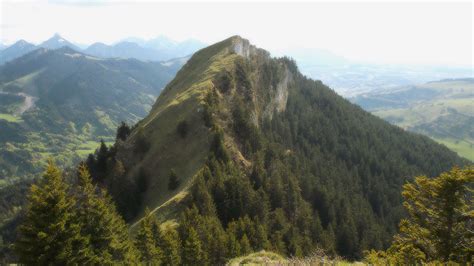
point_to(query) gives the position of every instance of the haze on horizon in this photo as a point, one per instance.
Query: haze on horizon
(426, 33)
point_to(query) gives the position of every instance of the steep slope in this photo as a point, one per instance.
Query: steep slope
(267, 157)
(61, 102)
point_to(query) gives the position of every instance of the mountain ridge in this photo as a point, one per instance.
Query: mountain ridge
(263, 141)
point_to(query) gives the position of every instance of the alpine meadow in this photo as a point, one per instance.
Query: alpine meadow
(151, 151)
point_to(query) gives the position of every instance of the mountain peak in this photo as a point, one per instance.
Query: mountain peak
(21, 43)
(56, 41)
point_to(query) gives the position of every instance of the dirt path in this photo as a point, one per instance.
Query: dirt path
(28, 102)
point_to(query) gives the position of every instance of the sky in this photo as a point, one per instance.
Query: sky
(426, 33)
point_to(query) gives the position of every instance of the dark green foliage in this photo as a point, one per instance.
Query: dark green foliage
(245, 247)
(247, 133)
(335, 185)
(223, 81)
(182, 128)
(218, 148)
(12, 197)
(201, 196)
(125, 190)
(50, 232)
(210, 106)
(78, 225)
(142, 144)
(105, 229)
(173, 181)
(101, 162)
(146, 240)
(192, 250)
(169, 243)
(123, 131)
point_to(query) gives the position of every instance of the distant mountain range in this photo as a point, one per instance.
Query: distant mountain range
(157, 49)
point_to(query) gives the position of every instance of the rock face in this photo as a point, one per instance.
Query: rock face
(243, 47)
(278, 101)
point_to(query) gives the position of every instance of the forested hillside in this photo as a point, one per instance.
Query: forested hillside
(241, 150)
(60, 103)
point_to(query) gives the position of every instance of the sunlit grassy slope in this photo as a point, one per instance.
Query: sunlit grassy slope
(268, 258)
(180, 101)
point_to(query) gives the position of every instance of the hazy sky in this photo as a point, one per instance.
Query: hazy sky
(403, 32)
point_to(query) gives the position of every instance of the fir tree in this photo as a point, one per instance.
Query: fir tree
(169, 243)
(245, 247)
(145, 241)
(106, 230)
(123, 131)
(202, 197)
(50, 232)
(102, 155)
(192, 250)
(233, 246)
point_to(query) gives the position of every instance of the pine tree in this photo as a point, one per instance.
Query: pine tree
(101, 164)
(261, 237)
(123, 131)
(192, 250)
(169, 244)
(202, 198)
(214, 241)
(50, 231)
(233, 246)
(173, 182)
(245, 247)
(145, 241)
(106, 230)
(329, 240)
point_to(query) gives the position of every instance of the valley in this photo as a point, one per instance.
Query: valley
(442, 110)
(61, 103)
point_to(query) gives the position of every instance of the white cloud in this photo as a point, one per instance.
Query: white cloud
(411, 33)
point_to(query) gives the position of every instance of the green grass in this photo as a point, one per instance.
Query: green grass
(268, 258)
(89, 146)
(464, 149)
(443, 118)
(258, 258)
(181, 100)
(10, 118)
